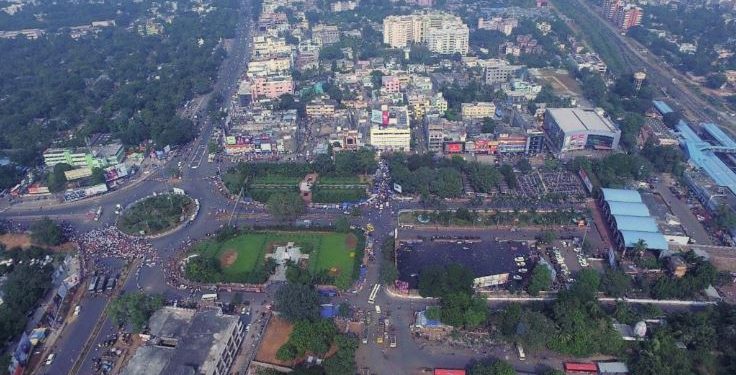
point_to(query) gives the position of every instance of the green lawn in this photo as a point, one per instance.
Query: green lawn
(327, 251)
(349, 180)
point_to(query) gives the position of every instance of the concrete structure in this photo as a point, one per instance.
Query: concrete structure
(440, 32)
(572, 129)
(271, 87)
(628, 16)
(390, 129)
(590, 61)
(321, 108)
(500, 71)
(391, 84)
(95, 157)
(440, 131)
(502, 25)
(477, 110)
(325, 35)
(265, 66)
(185, 341)
(342, 6)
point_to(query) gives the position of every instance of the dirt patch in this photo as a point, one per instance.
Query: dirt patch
(13, 240)
(228, 258)
(277, 334)
(351, 241)
(23, 241)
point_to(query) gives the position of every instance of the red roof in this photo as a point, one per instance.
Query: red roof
(581, 367)
(440, 371)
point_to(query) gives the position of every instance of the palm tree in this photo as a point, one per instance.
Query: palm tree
(640, 247)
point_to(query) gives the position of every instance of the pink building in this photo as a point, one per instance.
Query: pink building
(271, 87)
(391, 84)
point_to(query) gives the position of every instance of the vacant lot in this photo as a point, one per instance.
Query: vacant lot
(245, 253)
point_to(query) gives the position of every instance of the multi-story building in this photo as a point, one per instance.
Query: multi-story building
(325, 35)
(440, 32)
(499, 71)
(439, 131)
(502, 25)
(321, 108)
(271, 87)
(391, 84)
(342, 6)
(590, 61)
(185, 341)
(477, 110)
(95, 157)
(574, 129)
(265, 66)
(418, 104)
(390, 129)
(438, 103)
(268, 45)
(628, 16)
(307, 60)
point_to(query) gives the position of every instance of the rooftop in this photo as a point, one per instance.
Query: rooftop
(706, 159)
(581, 119)
(636, 223)
(621, 195)
(662, 107)
(654, 241)
(184, 341)
(628, 209)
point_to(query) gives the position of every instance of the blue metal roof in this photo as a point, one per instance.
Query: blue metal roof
(662, 107)
(621, 195)
(636, 223)
(628, 209)
(655, 241)
(705, 159)
(719, 135)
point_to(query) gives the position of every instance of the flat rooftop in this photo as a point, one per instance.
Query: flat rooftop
(184, 341)
(581, 119)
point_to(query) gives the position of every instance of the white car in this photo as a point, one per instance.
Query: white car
(523, 270)
(50, 359)
(517, 277)
(519, 259)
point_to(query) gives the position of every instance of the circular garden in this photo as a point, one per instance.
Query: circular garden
(156, 214)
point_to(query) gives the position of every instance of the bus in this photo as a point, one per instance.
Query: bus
(209, 297)
(374, 292)
(92, 283)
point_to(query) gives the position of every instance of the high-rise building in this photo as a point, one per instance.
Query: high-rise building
(440, 32)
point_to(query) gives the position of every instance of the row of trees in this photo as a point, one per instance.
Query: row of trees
(24, 287)
(134, 309)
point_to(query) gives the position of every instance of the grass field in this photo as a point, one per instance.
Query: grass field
(245, 253)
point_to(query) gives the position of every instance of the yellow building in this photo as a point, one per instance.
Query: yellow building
(478, 110)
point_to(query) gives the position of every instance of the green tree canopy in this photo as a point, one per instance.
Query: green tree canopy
(134, 309)
(297, 302)
(46, 232)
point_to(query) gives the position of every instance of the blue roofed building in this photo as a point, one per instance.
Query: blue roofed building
(630, 220)
(662, 107)
(620, 195)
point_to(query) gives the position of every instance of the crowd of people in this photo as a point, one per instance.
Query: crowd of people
(110, 242)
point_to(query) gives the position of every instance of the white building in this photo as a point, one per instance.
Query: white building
(440, 32)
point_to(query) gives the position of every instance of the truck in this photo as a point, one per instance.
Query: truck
(92, 284)
(100, 287)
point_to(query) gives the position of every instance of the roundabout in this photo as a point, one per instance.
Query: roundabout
(157, 215)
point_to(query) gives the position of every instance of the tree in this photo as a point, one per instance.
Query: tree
(715, 81)
(297, 302)
(615, 283)
(725, 218)
(524, 166)
(204, 269)
(285, 206)
(496, 368)
(47, 232)
(56, 179)
(546, 237)
(343, 362)
(671, 119)
(134, 309)
(489, 125)
(342, 225)
(541, 279)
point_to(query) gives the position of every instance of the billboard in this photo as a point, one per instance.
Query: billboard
(586, 180)
(397, 188)
(454, 147)
(384, 118)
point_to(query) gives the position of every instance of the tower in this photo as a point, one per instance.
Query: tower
(639, 78)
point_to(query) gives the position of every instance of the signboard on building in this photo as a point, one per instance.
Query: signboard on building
(454, 147)
(586, 180)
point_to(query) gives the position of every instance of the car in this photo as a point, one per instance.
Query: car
(519, 259)
(523, 270)
(521, 264)
(517, 277)
(77, 309)
(50, 359)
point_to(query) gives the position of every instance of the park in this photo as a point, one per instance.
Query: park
(156, 214)
(254, 256)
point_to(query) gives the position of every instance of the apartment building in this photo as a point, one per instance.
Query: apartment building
(390, 129)
(271, 87)
(440, 32)
(325, 35)
(477, 110)
(500, 71)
